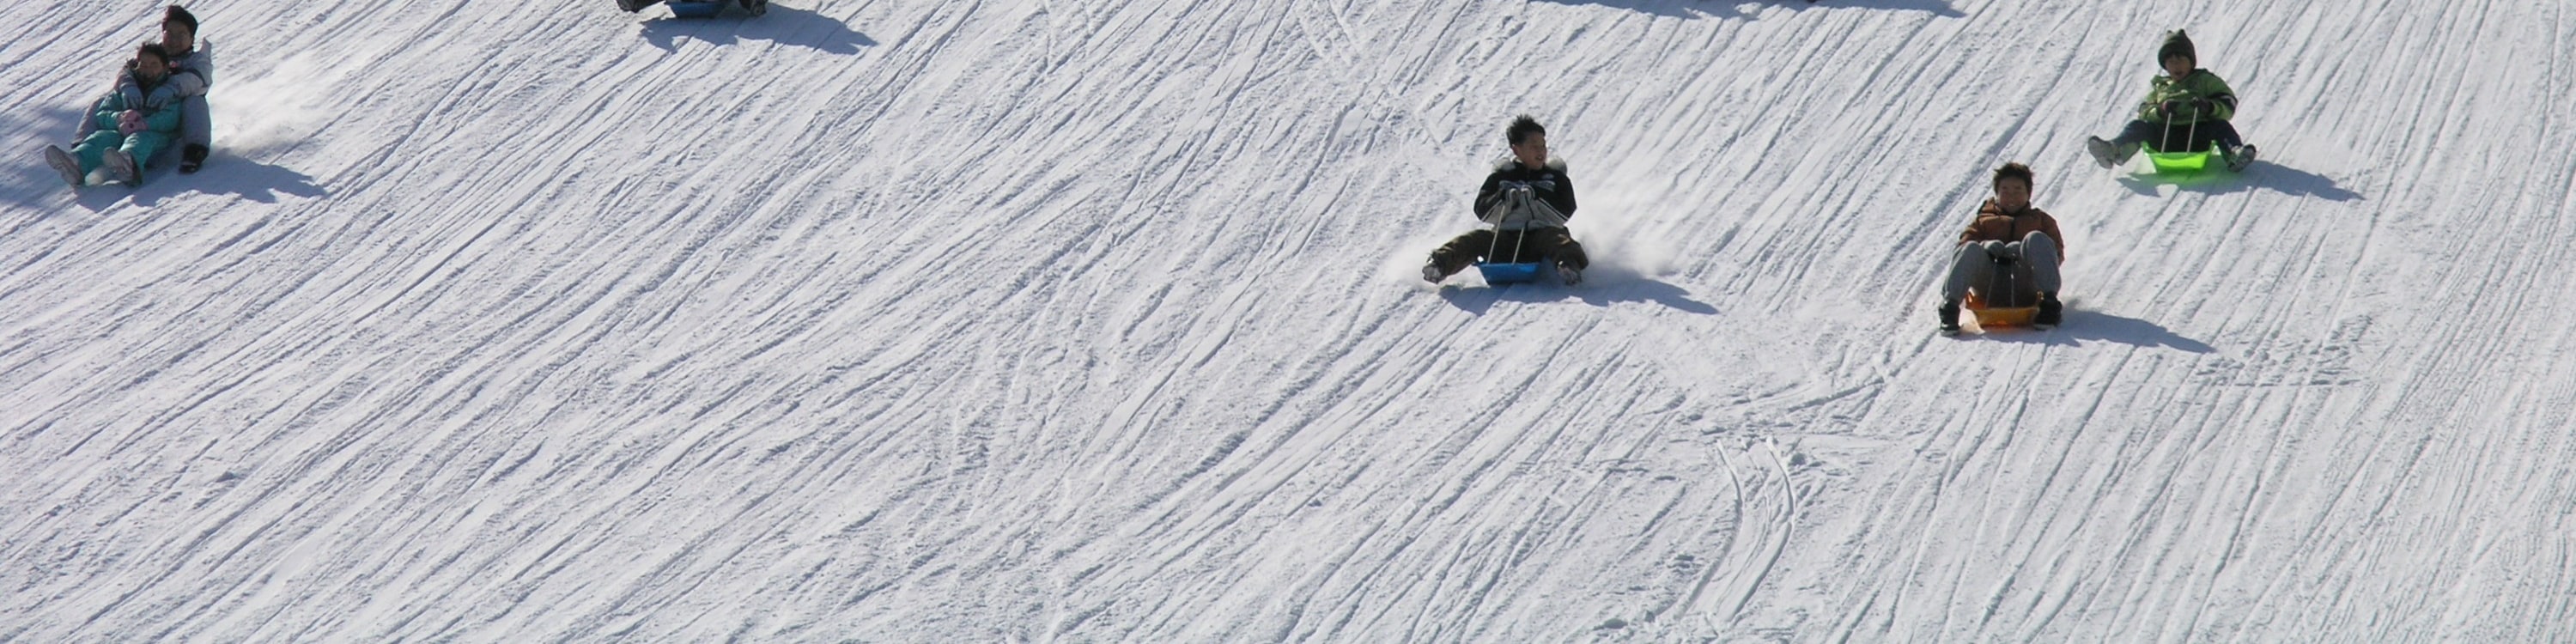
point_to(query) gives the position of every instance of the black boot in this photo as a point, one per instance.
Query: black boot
(2050, 312)
(192, 158)
(1949, 318)
(2239, 157)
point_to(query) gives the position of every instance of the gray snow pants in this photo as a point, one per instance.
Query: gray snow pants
(195, 124)
(1976, 263)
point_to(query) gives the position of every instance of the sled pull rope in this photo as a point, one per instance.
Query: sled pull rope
(2188, 133)
(2192, 132)
(1520, 203)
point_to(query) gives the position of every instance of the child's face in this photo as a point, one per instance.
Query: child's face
(2012, 194)
(151, 69)
(1532, 150)
(2178, 67)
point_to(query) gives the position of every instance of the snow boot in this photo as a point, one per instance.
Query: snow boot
(2107, 154)
(1431, 272)
(1570, 274)
(2240, 157)
(192, 158)
(1949, 318)
(63, 163)
(2050, 312)
(120, 166)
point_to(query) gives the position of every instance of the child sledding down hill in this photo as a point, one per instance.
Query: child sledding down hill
(2008, 234)
(1525, 202)
(2186, 109)
(133, 123)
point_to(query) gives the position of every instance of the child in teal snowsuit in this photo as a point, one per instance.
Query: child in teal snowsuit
(135, 122)
(2186, 110)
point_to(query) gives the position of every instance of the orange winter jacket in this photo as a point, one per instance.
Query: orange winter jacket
(1993, 224)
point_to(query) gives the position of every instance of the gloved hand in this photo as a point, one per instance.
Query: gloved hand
(2201, 106)
(2168, 108)
(129, 122)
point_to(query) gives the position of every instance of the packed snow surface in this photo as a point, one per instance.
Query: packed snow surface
(1098, 320)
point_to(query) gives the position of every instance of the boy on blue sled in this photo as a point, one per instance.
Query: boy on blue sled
(1524, 205)
(2186, 110)
(696, 8)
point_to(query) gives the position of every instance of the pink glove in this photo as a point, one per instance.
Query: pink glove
(129, 122)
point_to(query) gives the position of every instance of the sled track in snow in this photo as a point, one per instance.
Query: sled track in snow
(1077, 320)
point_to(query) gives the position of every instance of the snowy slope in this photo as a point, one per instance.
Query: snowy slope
(1093, 320)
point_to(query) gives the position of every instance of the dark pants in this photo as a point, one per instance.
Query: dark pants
(1510, 247)
(2180, 137)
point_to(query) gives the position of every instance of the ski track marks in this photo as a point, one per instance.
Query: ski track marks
(1074, 321)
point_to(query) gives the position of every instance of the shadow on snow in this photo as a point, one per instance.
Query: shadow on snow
(1735, 8)
(1604, 288)
(30, 183)
(223, 174)
(2096, 325)
(783, 25)
(2262, 174)
(34, 185)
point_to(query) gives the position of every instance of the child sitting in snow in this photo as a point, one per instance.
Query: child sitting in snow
(134, 122)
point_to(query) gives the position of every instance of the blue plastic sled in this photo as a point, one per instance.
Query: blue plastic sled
(1509, 273)
(709, 8)
(695, 9)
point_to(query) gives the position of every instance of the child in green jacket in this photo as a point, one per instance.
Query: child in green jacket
(2186, 109)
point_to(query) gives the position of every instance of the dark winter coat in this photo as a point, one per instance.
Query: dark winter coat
(1549, 185)
(1993, 224)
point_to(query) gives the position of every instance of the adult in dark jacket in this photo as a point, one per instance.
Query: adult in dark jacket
(2186, 109)
(1524, 205)
(2007, 229)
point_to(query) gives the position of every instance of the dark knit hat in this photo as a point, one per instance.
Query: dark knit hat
(181, 16)
(2176, 44)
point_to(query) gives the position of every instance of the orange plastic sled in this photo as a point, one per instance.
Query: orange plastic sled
(1999, 316)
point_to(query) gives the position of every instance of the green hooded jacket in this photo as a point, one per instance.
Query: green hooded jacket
(2197, 84)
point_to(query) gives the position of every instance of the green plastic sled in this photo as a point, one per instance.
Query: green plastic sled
(2182, 162)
